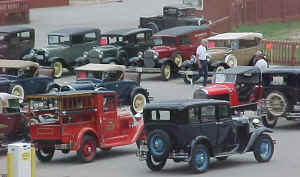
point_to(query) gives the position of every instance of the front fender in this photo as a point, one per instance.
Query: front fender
(51, 85)
(107, 60)
(51, 59)
(164, 60)
(198, 140)
(217, 63)
(80, 135)
(136, 89)
(254, 135)
(134, 60)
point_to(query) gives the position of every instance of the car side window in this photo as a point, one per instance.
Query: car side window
(223, 111)
(109, 103)
(208, 113)
(140, 37)
(184, 40)
(23, 35)
(89, 37)
(193, 114)
(77, 39)
(161, 115)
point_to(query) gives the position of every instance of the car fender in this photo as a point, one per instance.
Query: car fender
(165, 60)
(81, 134)
(52, 59)
(52, 84)
(134, 60)
(218, 63)
(136, 89)
(201, 139)
(107, 60)
(81, 60)
(256, 134)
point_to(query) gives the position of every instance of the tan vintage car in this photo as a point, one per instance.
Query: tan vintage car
(232, 49)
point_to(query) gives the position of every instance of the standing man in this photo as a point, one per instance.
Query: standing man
(202, 57)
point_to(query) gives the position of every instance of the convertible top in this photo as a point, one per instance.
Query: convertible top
(17, 64)
(73, 31)
(101, 67)
(236, 36)
(181, 104)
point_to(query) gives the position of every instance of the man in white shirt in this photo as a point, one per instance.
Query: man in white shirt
(202, 57)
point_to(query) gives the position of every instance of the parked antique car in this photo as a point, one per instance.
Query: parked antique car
(196, 130)
(80, 121)
(281, 92)
(171, 47)
(64, 47)
(110, 77)
(232, 49)
(118, 46)
(11, 117)
(15, 42)
(240, 85)
(173, 15)
(22, 78)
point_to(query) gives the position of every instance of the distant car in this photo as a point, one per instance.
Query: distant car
(173, 16)
(21, 78)
(118, 46)
(64, 47)
(196, 130)
(240, 85)
(281, 93)
(15, 42)
(171, 47)
(232, 49)
(11, 117)
(110, 77)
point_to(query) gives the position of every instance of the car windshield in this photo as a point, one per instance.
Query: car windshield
(225, 78)
(42, 104)
(158, 41)
(219, 43)
(54, 39)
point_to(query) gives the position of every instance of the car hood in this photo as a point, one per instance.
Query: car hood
(218, 89)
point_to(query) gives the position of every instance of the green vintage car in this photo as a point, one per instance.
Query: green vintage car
(64, 47)
(118, 46)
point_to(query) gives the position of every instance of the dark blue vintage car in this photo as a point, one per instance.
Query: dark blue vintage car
(110, 77)
(22, 78)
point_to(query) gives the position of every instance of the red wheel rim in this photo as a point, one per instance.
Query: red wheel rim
(89, 149)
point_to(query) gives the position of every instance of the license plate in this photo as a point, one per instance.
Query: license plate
(139, 69)
(40, 57)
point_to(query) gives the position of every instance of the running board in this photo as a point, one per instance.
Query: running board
(232, 152)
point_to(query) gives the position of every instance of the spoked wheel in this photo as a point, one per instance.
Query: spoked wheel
(231, 60)
(153, 164)
(45, 154)
(139, 100)
(263, 148)
(58, 69)
(87, 151)
(276, 103)
(159, 144)
(166, 71)
(18, 90)
(200, 158)
(177, 60)
(219, 68)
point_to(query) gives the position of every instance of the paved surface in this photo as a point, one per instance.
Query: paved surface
(121, 162)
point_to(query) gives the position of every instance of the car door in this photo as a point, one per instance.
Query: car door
(185, 47)
(226, 137)
(25, 39)
(245, 51)
(109, 123)
(77, 48)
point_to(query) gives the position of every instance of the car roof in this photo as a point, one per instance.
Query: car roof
(283, 70)
(181, 104)
(126, 31)
(69, 93)
(15, 29)
(241, 70)
(180, 30)
(73, 31)
(101, 67)
(236, 36)
(16, 63)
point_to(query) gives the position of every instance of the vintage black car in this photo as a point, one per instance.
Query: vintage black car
(173, 15)
(118, 46)
(15, 41)
(64, 47)
(110, 77)
(195, 130)
(281, 92)
(22, 78)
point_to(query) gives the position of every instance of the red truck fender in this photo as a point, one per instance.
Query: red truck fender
(81, 134)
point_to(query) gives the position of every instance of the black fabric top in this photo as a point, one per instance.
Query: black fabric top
(181, 104)
(242, 70)
(127, 31)
(73, 31)
(284, 69)
(15, 29)
(181, 30)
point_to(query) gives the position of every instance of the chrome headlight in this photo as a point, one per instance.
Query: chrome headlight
(85, 54)
(100, 54)
(140, 54)
(155, 54)
(199, 22)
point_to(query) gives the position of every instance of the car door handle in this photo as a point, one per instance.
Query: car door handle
(219, 123)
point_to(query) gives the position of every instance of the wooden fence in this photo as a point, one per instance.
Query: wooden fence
(281, 52)
(14, 11)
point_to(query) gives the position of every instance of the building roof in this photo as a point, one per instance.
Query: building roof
(283, 70)
(236, 36)
(14, 29)
(126, 31)
(181, 104)
(16, 63)
(73, 31)
(101, 67)
(180, 30)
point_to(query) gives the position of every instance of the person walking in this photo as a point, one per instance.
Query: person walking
(202, 57)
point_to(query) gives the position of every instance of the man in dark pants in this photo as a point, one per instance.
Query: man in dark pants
(202, 58)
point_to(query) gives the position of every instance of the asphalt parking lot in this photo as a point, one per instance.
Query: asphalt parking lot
(121, 161)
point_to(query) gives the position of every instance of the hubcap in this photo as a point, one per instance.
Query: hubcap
(57, 69)
(88, 149)
(265, 149)
(139, 103)
(200, 159)
(158, 145)
(178, 60)
(167, 71)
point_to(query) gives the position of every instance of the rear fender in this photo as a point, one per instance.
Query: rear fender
(51, 85)
(81, 134)
(254, 136)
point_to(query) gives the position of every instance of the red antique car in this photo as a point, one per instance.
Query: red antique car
(240, 85)
(80, 121)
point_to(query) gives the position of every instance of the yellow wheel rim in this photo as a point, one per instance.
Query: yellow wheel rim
(17, 92)
(178, 60)
(139, 102)
(167, 71)
(57, 69)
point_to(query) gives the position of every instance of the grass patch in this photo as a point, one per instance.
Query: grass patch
(274, 31)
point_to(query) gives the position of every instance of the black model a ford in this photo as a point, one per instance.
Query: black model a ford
(196, 130)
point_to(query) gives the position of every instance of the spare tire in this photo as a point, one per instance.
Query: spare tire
(159, 144)
(277, 103)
